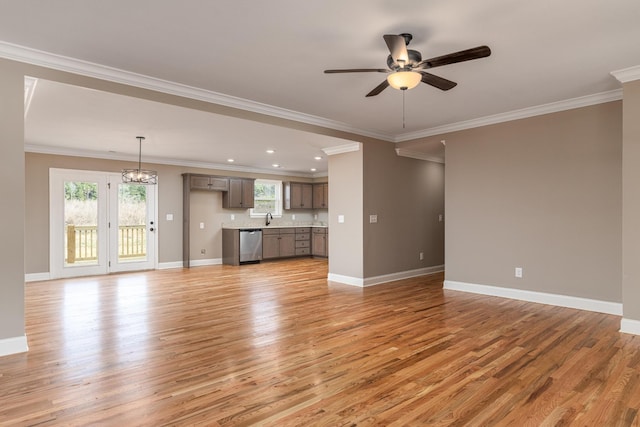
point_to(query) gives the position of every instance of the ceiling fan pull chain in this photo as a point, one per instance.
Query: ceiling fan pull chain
(403, 92)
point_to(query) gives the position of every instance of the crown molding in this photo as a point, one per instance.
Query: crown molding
(627, 74)
(403, 152)
(554, 107)
(346, 148)
(61, 151)
(103, 72)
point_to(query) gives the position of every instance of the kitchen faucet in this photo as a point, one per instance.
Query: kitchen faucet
(269, 218)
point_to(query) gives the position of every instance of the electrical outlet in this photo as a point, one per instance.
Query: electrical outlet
(421, 256)
(293, 217)
(373, 219)
(519, 272)
(233, 217)
(440, 218)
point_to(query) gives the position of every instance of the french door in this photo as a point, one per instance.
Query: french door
(98, 225)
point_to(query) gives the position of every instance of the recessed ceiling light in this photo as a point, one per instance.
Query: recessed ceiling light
(230, 160)
(318, 158)
(275, 165)
(271, 151)
(313, 169)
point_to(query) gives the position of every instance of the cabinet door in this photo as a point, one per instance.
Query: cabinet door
(320, 196)
(306, 201)
(319, 246)
(295, 195)
(247, 193)
(233, 197)
(287, 245)
(199, 182)
(270, 246)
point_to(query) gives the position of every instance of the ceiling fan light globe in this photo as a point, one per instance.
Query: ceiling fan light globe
(403, 80)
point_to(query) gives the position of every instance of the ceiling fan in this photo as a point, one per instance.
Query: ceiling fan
(406, 66)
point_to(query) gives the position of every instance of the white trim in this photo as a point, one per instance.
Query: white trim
(630, 326)
(61, 151)
(403, 152)
(29, 89)
(627, 74)
(346, 280)
(587, 304)
(37, 277)
(346, 148)
(170, 265)
(204, 262)
(554, 107)
(13, 345)
(385, 278)
(103, 72)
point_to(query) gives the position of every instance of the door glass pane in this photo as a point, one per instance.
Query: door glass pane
(81, 223)
(132, 223)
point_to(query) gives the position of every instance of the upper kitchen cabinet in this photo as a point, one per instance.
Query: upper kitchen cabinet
(321, 196)
(239, 195)
(208, 182)
(298, 195)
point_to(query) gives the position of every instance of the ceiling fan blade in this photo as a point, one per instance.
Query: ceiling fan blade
(397, 47)
(452, 58)
(439, 82)
(382, 86)
(358, 70)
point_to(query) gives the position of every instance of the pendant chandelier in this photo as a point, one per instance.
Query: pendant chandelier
(139, 176)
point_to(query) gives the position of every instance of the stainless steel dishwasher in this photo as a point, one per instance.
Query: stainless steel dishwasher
(250, 245)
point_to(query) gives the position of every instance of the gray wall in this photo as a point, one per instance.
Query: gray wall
(542, 193)
(407, 195)
(631, 194)
(12, 195)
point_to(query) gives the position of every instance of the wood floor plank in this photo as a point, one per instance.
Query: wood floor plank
(276, 344)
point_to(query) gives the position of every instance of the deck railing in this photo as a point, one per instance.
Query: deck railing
(82, 242)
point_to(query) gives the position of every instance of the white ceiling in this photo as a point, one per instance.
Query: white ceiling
(271, 55)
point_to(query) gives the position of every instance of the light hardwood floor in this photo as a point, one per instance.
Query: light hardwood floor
(275, 344)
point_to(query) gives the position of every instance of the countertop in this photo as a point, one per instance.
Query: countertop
(262, 226)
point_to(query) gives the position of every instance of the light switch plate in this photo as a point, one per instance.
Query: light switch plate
(373, 219)
(340, 219)
(169, 217)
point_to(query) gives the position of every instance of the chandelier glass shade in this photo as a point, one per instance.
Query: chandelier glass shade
(139, 175)
(403, 80)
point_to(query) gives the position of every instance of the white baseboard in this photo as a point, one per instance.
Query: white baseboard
(346, 280)
(538, 297)
(37, 277)
(203, 262)
(377, 280)
(630, 326)
(169, 265)
(13, 345)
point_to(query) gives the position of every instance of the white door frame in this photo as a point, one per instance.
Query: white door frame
(106, 263)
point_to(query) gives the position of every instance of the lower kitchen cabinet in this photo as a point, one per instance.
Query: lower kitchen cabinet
(278, 242)
(320, 242)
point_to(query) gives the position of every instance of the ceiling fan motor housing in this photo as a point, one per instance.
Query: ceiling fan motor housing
(414, 58)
